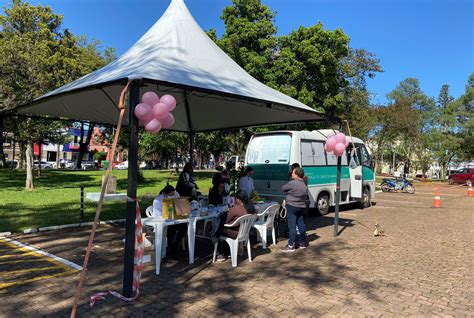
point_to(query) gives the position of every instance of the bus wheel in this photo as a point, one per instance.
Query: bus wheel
(322, 204)
(366, 199)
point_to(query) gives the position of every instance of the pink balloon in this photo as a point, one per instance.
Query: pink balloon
(340, 137)
(339, 149)
(150, 98)
(330, 144)
(160, 110)
(167, 121)
(153, 126)
(142, 111)
(169, 100)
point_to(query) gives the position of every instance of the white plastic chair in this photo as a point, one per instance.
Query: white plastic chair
(246, 222)
(266, 222)
(149, 211)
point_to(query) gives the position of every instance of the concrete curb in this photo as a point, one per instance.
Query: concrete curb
(65, 226)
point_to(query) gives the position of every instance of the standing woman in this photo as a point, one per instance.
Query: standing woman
(246, 182)
(296, 195)
(186, 185)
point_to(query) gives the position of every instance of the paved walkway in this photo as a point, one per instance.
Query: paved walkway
(422, 266)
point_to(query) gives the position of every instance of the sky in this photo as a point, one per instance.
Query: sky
(432, 40)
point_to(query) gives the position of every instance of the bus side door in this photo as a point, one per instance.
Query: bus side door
(355, 172)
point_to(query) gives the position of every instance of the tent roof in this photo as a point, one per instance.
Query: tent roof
(176, 57)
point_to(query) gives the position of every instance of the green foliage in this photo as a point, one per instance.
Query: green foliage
(100, 155)
(249, 36)
(37, 56)
(314, 65)
(165, 145)
(465, 117)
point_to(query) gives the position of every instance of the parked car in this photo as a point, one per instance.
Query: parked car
(88, 165)
(44, 165)
(465, 175)
(69, 164)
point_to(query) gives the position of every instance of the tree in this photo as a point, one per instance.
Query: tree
(166, 144)
(396, 128)
(307, 66)
(83, 143)
(37, 56)
(357, 67)
(444, 136)
(314, 65)
(249, 37)
(465, 105)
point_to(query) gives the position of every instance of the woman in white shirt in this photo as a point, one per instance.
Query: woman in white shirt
(246, 182)
(175, 233)
(168, 192)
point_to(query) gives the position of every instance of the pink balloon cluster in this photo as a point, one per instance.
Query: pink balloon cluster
(155, 113)
(336, 143)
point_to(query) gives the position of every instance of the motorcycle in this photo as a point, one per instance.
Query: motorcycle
(393, 185)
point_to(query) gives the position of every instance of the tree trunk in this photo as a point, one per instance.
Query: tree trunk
(21, 163)
(83, 144)
(57, 156)
(3, 162)
(29, 167)
(442, 173)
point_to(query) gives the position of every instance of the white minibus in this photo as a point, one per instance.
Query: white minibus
(271, 155)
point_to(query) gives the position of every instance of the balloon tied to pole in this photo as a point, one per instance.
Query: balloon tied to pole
(337, 144)
(154, 113)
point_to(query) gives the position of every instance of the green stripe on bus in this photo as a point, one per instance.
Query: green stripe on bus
(324, 174)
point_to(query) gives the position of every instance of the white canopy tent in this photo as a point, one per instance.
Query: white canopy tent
(176, 57)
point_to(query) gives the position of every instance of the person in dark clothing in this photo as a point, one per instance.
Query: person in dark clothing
(228, 218)
(296, 195)
(217, 193)
(186, 185)
(222, 177)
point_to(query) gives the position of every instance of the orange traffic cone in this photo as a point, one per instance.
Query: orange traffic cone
(470, 191)
(437, 199)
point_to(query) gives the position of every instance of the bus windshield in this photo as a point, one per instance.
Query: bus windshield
(269, 149)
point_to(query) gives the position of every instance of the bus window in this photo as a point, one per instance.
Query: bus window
(365, 157)
(312, 153)
(354, 160)
(332, 159)
(269, 149)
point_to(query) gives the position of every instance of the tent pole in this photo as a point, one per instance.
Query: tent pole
(338, 197)
(191, 148)
(191, 132)
(134, 99)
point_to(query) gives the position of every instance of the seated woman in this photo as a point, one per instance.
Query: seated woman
(175, 233)
(186, 185)
(217, 193)
(222, 177)
(240, 208)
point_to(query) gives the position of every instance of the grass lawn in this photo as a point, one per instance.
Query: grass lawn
(56, 199)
